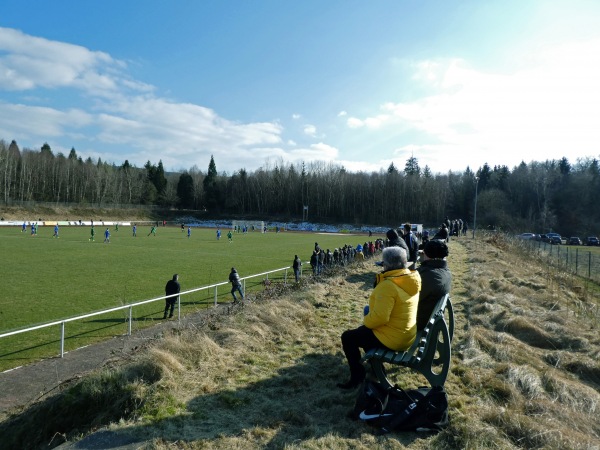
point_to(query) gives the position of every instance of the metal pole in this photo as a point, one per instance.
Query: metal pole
(179, 309)
(216, 287)
(130, 320)
(285, 277)
(62, 339)
(475, 212)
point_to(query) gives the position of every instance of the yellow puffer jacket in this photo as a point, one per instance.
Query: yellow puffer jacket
(393, 308)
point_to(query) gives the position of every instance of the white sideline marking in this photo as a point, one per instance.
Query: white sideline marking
(10, 370)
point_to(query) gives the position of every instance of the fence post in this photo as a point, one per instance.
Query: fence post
(62, 339)
(285, 277)
(590, 265)
(216, 288)
(576, 260)
(179, 309)
(130, 320)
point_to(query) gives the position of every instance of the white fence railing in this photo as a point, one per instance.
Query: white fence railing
(130, 307)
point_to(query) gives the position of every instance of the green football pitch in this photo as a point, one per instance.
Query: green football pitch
(46, 279)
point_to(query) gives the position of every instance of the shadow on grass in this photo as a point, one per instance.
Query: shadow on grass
(366, 279)
(299, 403)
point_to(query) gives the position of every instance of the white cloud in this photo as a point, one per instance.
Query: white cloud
(354, 122)
(315, 152)
(310, 130)
(342, 114)
(43, 122)
(539, 112)
(118, 117)
(296, 116)
(29, 62)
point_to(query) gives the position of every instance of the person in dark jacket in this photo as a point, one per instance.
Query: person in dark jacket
(442, 233)
(172, 288)
(314, 261)
(413, 245)
(394, 239)
(236, 284)
(436, 279)
(296, 266)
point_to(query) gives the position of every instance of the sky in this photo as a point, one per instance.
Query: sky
(260, 83)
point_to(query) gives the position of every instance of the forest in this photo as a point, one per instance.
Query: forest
(553, 195)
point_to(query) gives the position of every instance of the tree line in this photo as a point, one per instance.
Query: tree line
(538, 196)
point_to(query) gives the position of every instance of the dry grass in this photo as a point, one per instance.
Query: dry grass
(525, 370)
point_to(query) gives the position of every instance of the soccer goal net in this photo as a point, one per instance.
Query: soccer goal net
(248, 226)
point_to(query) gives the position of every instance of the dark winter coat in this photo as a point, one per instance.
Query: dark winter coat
(234, 278)
(436, 281)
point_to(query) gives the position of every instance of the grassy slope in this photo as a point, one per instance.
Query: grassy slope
(525, 370)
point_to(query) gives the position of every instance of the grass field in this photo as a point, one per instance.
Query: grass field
(45, 279)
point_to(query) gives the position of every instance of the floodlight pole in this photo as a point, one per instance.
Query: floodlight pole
(475, 212)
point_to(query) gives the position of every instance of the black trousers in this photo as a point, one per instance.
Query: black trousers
(170, 302)
(352, 342)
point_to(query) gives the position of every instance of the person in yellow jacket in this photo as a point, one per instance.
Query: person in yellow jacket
(390, 320)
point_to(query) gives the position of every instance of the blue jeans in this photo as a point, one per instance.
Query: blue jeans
(238, 289)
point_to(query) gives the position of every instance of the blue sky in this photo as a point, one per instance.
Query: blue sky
(355, 83)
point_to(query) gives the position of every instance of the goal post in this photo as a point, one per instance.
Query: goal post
(256, 226)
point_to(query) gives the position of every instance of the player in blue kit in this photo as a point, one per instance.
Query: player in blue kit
(107, 236)
(55, 235)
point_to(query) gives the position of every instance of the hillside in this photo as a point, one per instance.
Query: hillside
(525, 371)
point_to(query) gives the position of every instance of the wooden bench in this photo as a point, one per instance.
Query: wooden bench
(429, 354)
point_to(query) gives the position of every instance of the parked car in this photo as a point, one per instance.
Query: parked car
(548, 237)
(526, 236)
(574, 240)
(555, 240)
(592, 240)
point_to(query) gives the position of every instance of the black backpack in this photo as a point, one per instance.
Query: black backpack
(394, 409)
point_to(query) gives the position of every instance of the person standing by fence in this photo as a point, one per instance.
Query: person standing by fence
(172, 288)
(296, 266)
(236, 284)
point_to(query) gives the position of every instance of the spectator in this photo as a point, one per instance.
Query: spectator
(172, 288)
(392, 318)
(394, 240)
(436, 279)
(320, 261)
(236, 284)
(442, 233)
(314, 261)
(413, 246)
(296, 266)
(360, 256)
